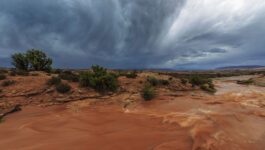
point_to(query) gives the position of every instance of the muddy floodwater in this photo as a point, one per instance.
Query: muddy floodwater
(231, 119)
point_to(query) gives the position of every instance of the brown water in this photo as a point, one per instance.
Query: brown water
(233, 119)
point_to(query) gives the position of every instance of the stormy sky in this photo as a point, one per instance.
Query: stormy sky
(178, 34)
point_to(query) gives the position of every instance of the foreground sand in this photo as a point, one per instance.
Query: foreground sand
(232, 119)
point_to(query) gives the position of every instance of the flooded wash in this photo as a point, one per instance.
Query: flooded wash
(231, 119)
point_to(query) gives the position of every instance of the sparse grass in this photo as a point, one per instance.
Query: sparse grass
(63, 88)
(8, 83)
(54, 81)
(2, 77)
(148, 92)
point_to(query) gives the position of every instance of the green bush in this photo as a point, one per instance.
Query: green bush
(107, 82)
(8, 82)
(34, 74)
(38, 60)
(3, 71)
(56, 71)
(54, 81)
(246, 82)
(148, 92)
(197, 80)
(86, 79)
(132, 74)
(69, 76)
(20, 61)
(13, 72)
(2, 77)
(208, 87)
(99, 79)
(35, 58)
(153, 80)
(99, 71)
(63, 88)
(163, 82)
(22, 72)
(183, 81)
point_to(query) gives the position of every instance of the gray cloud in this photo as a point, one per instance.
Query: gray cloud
(135, 33)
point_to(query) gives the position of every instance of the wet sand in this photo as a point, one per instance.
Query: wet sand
(223, 121)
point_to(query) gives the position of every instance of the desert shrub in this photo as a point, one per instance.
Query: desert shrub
(1, 90)
(197, 80)
(54, 81)
(132, 74)
(86, 79)
(48, 74)
(2, 77)
(106, 82)
(20, 61)
(63, 88)
(204, 83)
(8, 82)
(56, 71)
(153, 80)
(99, 79)
(34, 74)
(208, 87)
(3, 71)
(148, 92)
(12, 72)
(1, 120)
(163, 82)
(38, 60)
(99, 71)
(35, 58)
(183, 81)
(170, 78)
(69, 76)
(22, 72)
(249, 81)
(141, 82)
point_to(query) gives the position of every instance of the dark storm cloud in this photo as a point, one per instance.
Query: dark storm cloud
(133, 33)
